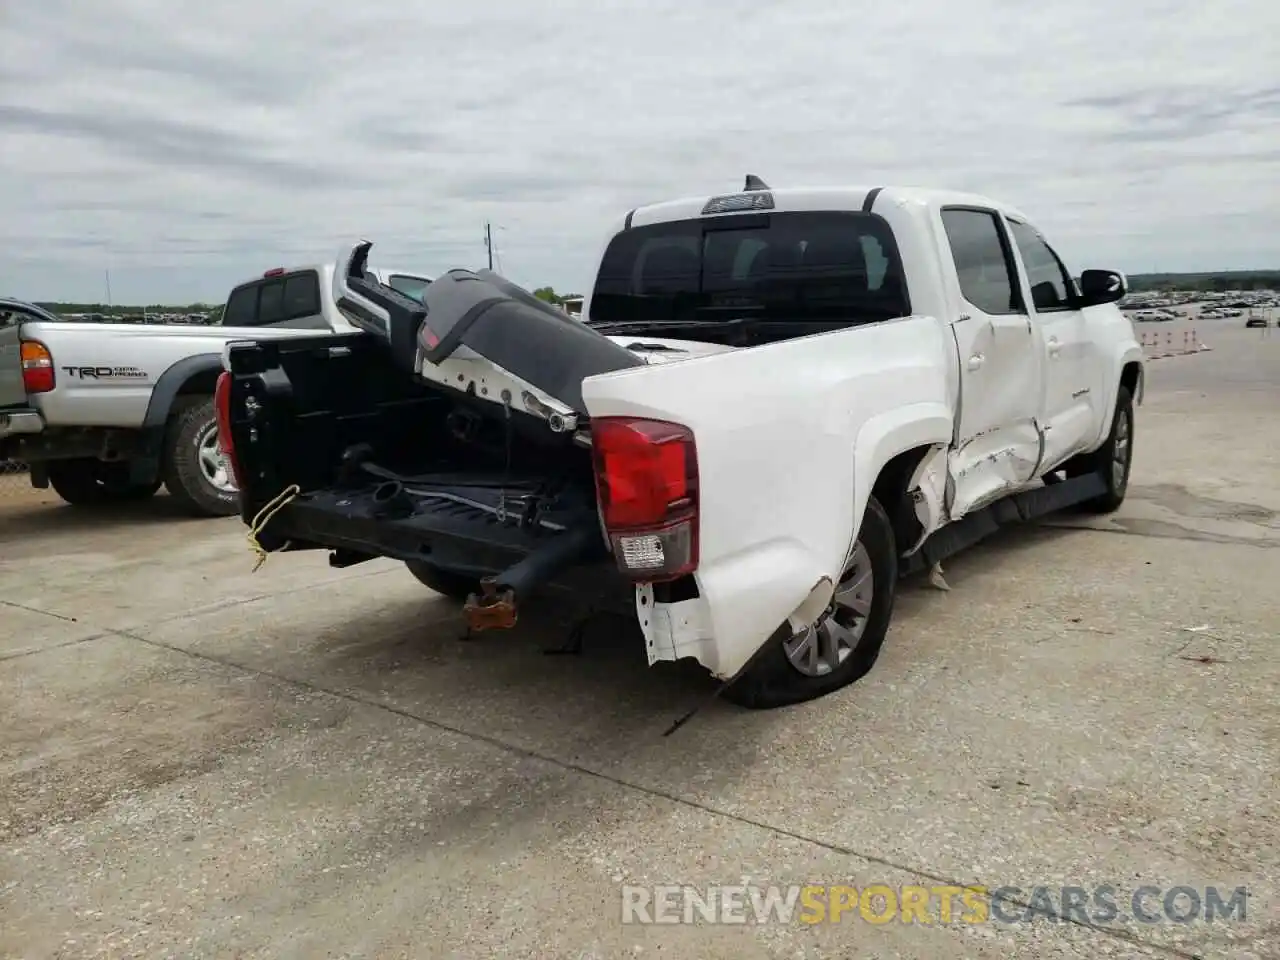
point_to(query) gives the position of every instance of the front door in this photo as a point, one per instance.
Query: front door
(997, 443)
(1069, 409)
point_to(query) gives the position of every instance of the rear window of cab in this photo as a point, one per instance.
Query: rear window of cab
(289, 297)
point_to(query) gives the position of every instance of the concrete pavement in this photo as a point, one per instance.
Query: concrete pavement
(200, 762)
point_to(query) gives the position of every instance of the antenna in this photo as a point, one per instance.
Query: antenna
(755, 183)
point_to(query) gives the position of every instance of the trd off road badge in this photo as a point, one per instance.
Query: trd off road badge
(105, 373)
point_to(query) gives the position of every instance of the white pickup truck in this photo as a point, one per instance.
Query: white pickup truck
(779, 401)
(105, 413)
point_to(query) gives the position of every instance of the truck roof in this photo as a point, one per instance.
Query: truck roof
(851, 198)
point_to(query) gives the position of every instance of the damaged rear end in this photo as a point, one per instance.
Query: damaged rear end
(455, 436)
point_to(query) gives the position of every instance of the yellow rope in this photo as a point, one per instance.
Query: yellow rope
(263, 517)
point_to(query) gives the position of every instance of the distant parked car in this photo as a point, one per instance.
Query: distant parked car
(1257, 322)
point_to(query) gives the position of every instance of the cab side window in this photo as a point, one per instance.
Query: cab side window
(983, 262)
(1051, 285)
(414, 287)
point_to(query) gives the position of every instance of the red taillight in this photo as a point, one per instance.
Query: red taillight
(37, 367)
(647, 484)
(222, 406)
(273, 272)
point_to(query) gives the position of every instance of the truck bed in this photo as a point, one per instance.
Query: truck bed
(385, 465)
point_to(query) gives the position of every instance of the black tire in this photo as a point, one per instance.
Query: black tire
(87, 482)
(774, 682)
(1103, 460)
(183, 476)
(455, 586)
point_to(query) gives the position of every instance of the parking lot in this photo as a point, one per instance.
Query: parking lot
(200, 761)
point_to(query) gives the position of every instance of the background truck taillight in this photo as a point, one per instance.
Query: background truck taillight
(647, 484)
(37, 367)
(222, 406)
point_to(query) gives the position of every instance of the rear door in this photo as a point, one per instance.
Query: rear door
(998, 436)
(1070, 397)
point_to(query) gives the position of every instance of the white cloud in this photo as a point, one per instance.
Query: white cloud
(186, 145)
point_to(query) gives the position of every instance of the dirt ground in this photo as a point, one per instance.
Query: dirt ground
(198, 761)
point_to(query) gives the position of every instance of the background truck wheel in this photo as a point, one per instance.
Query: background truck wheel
(842, 646)
(87, 482)
(455, 586)
(195, 473)
(1112, 461)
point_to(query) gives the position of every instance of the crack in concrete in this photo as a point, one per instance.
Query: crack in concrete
(1164, 530)
(47, 613)
(18, 655)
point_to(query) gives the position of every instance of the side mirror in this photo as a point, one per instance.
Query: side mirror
(1102, 286)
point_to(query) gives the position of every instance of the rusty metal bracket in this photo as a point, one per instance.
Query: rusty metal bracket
(490, 609)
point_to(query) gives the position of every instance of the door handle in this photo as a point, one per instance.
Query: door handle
(1054, 347)
(976, 361)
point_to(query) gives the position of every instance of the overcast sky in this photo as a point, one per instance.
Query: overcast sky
(185, 146)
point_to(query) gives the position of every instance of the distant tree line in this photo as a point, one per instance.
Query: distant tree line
(120, 310)
(1207, 282)
(550, 296)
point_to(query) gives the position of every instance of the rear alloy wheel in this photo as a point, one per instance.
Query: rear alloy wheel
(196, 472)
(88, 482)
(821, 649)
(842, 645)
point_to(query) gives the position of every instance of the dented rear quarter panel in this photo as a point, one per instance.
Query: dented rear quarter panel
(790, 438)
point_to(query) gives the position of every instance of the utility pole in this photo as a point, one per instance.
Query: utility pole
(108, 291)
(488, 242)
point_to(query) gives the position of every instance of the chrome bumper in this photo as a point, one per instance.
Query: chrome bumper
(20, 422)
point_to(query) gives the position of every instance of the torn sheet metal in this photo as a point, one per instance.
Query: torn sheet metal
(928, 488)
(672, 631)
(813, 606)
(990, 464)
